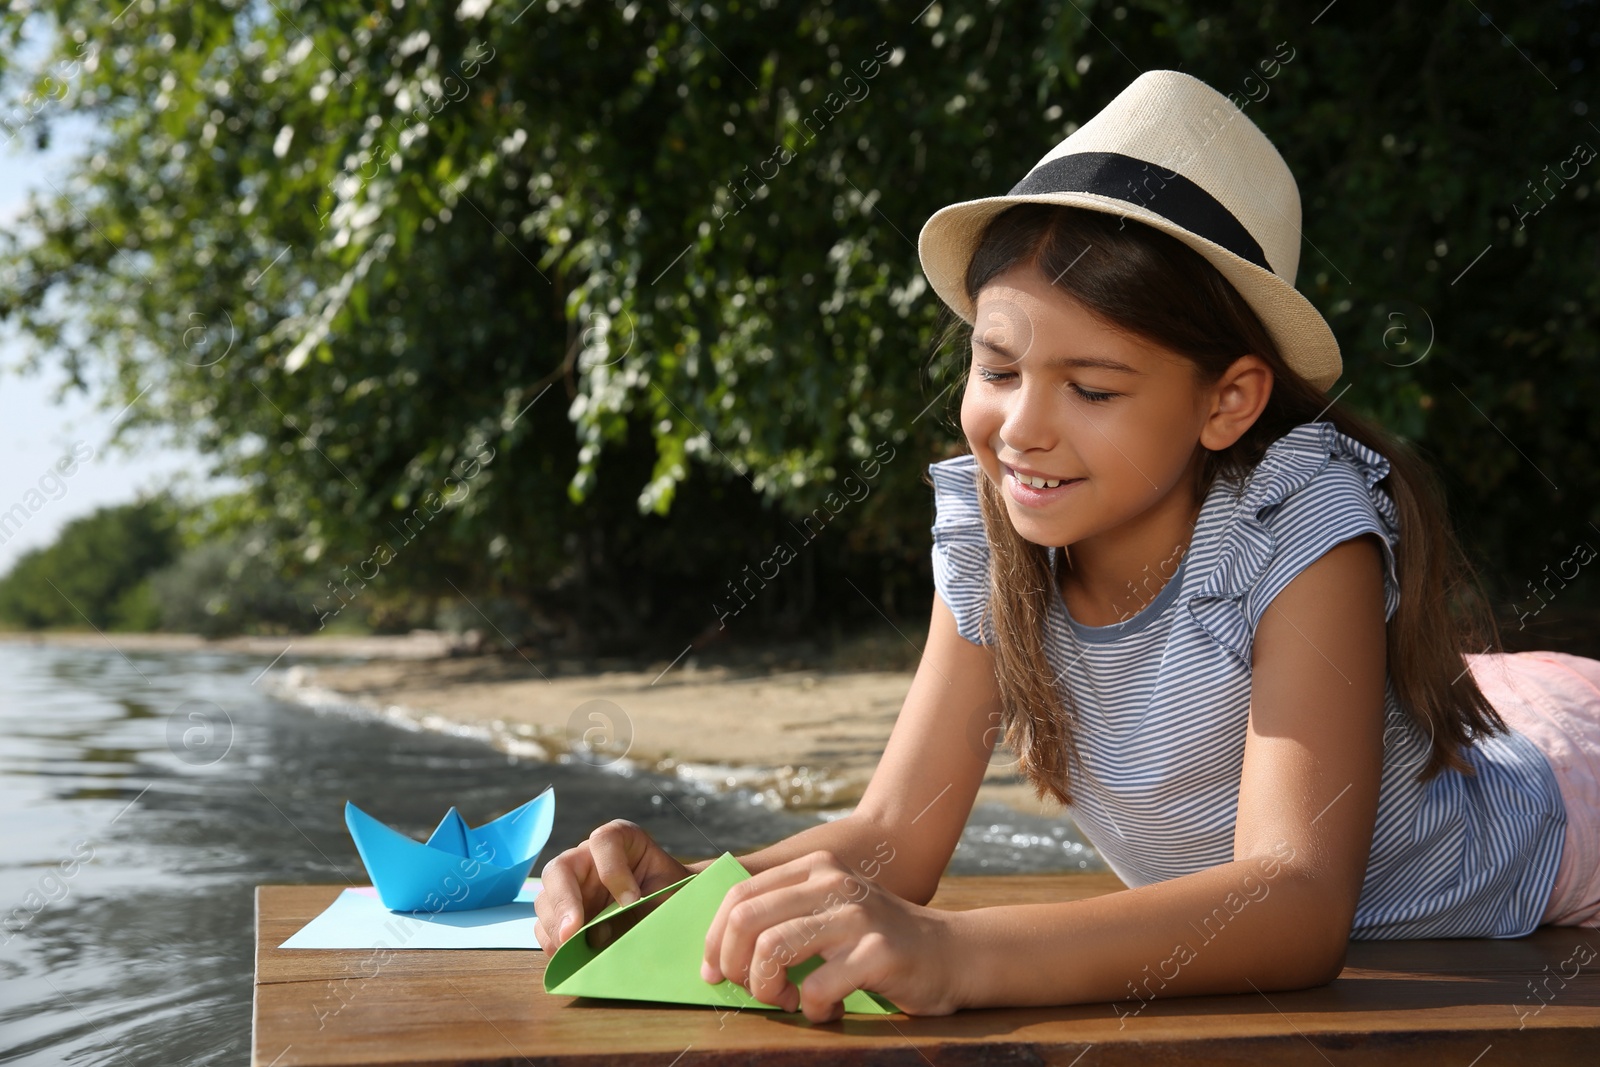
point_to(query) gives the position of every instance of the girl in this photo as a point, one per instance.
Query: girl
(1221, 618)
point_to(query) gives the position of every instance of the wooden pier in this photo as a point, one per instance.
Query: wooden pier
(1444, 1003)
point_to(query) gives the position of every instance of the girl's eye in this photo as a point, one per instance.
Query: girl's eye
(1093, 397)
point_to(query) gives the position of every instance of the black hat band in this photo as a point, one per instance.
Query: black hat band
(1134, 181)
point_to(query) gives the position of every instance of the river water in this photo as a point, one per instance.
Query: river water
(143, 797)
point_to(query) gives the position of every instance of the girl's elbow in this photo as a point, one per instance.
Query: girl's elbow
(1328, 917)
(1327, 962)
(1321, 958)
(1306, 967)
(1331, 963)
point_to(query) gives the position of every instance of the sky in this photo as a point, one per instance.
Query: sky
(36, 431)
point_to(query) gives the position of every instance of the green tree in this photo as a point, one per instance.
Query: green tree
(92, 574)
(660, 261)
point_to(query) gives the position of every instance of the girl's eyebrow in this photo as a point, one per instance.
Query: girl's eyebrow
(1079, 362)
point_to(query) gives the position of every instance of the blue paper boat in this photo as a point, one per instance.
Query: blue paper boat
(459, 867)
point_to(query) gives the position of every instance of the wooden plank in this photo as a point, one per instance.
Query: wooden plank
(1457, 1002)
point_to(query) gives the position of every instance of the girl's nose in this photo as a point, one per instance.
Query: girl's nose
(1033, 412)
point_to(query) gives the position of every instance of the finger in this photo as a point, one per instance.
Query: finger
(793, 942)
(857, 965)
(560, 903)
(802, 912)
(615, 848)
(657, 867)
(794, 872)
(547, 941)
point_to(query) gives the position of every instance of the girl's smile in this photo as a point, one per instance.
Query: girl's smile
(1033, 490)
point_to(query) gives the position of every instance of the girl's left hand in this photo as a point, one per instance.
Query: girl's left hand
(868, 937)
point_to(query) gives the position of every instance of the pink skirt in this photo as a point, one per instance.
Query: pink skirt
(1553, 699)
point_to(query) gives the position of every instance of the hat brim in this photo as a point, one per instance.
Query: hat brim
(1303, 337)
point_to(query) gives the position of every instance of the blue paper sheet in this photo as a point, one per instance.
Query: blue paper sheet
(358, 920)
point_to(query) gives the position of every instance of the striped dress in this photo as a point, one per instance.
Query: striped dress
(1163, 700)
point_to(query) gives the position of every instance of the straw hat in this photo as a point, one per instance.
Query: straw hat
(1173, 153)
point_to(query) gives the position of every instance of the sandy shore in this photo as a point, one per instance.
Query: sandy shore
(803, 739)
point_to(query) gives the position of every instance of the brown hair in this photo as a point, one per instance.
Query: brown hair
(1145, 282)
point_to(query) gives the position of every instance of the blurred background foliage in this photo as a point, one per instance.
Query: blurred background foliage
(95, 573)
(659, 262)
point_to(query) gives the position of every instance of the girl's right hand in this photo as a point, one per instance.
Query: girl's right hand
(618, 862)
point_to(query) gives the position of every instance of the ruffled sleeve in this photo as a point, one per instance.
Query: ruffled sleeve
(960, 546)
(1314, 488)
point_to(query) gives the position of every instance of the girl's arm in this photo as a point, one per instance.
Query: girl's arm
(1279, 915)
(903, 832)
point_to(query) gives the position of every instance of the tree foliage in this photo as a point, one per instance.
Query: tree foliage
(92, 574)
(660, 261)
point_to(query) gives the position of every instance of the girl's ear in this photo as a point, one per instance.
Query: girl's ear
(1236, 400)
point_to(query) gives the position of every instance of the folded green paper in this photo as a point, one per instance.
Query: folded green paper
(658, 958)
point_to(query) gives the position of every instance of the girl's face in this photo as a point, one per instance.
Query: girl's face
(1057, 393)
